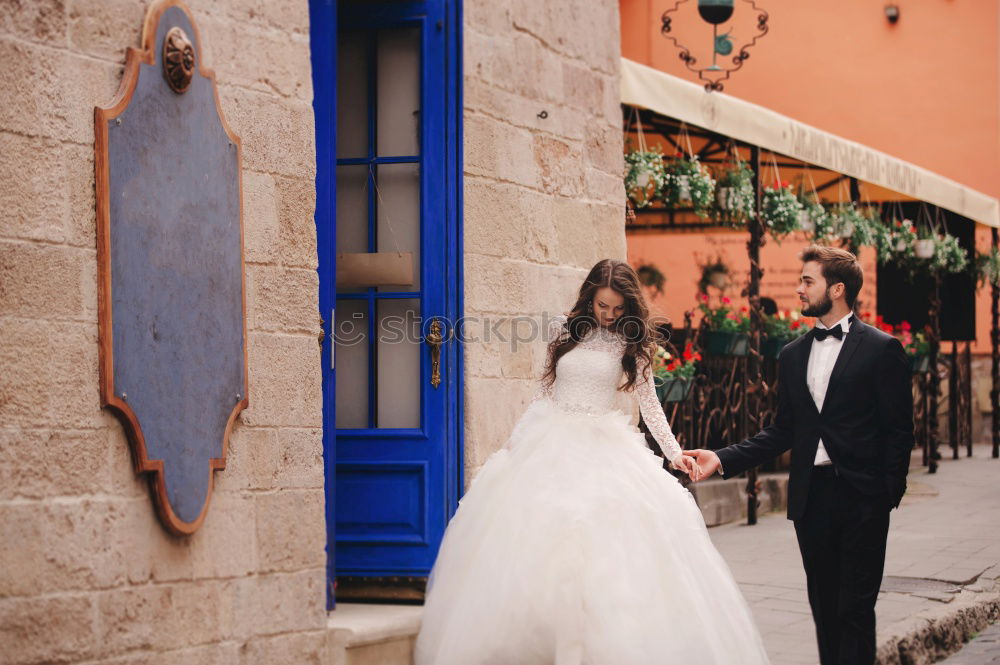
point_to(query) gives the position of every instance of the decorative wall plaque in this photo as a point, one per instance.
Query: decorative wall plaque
(171, 282)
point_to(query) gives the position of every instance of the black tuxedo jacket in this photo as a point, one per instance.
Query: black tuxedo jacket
(866, 423)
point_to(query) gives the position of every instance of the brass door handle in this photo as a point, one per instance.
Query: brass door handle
(434, 339)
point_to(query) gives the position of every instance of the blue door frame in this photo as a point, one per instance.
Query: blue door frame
(376, 543)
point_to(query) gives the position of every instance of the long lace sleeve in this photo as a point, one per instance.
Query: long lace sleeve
(555, 328)
(652, 413)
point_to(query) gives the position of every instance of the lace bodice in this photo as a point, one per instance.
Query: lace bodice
(588, 376)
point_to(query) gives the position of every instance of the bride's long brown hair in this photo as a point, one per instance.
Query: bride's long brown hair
(640, 335)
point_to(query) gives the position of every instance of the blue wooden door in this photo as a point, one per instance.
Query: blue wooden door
(390, 188)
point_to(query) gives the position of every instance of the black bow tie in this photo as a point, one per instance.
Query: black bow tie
(837, 332)
(819, 334)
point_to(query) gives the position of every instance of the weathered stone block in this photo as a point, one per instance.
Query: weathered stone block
(501, 286)
(260, 217)
(61, 546)
(42, 281)
(38, 464)
(226, 545)
(33, 198)
(278, 135)
(285, 381)
(252, 461)
(283, 299)
(511, 221)
(40, 21)
(559, 164)
(274, 604)
(54, 629)
(281, 63)
(104, 28)
(297, 221)
(291, 530)
(300, 459)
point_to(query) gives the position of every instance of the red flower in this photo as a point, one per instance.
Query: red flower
(726, 300)
(785, 183)
(697, 356)
(674, 364)
(899, 224)
(795, 325)
(744, 309)
(905, 325)
(703, 297)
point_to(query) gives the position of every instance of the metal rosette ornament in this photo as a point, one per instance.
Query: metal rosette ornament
(726, 58)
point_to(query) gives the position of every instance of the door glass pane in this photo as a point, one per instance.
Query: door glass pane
(352, 214)
(398, 57)
(351, 362)
(398, 218)
(352, 94)
(398, 362)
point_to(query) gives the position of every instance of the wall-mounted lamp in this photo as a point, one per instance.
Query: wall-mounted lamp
(892, 13)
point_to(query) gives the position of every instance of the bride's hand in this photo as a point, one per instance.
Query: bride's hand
(688, 466)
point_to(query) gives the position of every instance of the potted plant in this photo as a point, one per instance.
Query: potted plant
(916, 345)
(949, 255)
(848, 220)
(812, 213)
(651, 276)
(988, 267)
(645, 176)
(689, 182)
(714, 273)
(726, 333)
(780, 209)
(736, 200)
(923, 247)
(895, 244)
(779, 330)
(674, 376)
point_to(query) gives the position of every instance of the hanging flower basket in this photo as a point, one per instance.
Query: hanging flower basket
(848, 222)
(689, 183)
(735, 197)
(895, 244)
(949, 255)
(988, 267)
(673, 377)
(780, 210)
(645, 176)
(923, 248)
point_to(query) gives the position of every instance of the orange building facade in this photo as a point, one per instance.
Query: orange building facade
(925, 89)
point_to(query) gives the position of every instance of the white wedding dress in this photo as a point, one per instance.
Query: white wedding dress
(574, 547)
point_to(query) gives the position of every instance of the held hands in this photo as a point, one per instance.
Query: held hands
(705, 463)
(688, 466)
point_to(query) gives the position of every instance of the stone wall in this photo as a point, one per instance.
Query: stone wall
(86, 572)
(544, 199)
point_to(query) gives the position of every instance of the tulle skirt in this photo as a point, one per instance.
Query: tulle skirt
(574, 547)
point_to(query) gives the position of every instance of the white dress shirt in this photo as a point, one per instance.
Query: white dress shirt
(822, 358)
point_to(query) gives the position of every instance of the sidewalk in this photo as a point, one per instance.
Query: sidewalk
(942, 560)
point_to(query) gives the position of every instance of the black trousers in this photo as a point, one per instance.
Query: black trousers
(842, 541)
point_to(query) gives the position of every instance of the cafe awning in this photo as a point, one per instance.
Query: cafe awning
(649, 88)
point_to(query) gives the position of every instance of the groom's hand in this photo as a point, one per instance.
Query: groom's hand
(707, 461)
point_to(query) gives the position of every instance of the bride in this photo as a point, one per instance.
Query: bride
(573, 546)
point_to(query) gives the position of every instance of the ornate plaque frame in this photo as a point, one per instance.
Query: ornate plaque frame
(171, 299)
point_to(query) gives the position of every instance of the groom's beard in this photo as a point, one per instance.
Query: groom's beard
(822, 308)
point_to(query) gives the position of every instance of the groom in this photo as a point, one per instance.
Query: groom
(846, 411)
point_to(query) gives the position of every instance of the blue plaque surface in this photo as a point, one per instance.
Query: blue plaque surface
(172, 303)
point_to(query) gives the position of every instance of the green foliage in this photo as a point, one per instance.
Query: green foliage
(645, 176)
(688, 181)
(780, 210)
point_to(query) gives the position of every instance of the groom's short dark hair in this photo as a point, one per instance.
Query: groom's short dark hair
(838, 265)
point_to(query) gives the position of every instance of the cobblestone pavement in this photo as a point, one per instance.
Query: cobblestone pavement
(983, 650)
(942, 539)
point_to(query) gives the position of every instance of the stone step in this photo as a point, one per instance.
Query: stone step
(373, 634)
(723, 501)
